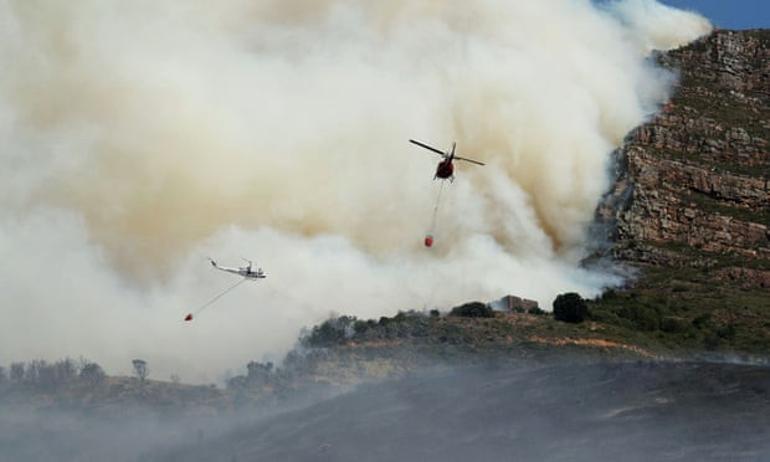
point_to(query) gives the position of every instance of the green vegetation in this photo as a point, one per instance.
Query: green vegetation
(706, 94)
(537, 311)
(728, 111)
(473, 310)
(469, 331)
(570, 307)
(687, 308)
(708, 204)
(330, 332)
(666, 310)
(761, 170)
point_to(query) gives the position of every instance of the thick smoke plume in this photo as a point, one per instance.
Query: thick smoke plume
(139, 137)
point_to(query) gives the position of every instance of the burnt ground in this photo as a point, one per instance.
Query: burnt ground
(624, 411)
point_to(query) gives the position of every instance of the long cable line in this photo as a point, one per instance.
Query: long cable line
(434, 219)
(214, 299)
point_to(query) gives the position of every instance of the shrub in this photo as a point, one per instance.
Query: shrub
(711, 340)
(473, 310)
(435, 313)
(609, 316)
(92, 374)
(359, 327)
(679, 287)
(400, 316)
(702, 321)
(331, 332)
(726, 332)
(259, 373)
(537, 311)
(643, 317)
(673, 325)
(570, 307)
(609, 295)
(17, 372)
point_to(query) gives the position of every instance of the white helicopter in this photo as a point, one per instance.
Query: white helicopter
(244, 271)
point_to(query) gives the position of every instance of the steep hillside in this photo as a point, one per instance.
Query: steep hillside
(691, 204)
(697, 175)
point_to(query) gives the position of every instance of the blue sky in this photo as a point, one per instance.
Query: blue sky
(729, 14)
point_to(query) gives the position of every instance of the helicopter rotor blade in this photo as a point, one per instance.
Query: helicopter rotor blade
(429, 148)
(470, 160)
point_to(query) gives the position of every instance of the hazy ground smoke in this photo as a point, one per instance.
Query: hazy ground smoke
(139, 137)
(569, 411)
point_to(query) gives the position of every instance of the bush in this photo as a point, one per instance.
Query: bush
(711, 340)
(570, 307)
(259, 373)
(331, 332)
(673, 325)
(435, 313)
(473, 310)
(609, 295)
(537, 311)
(644, 317)
(17, 372)
(727, 332)
(92, 374)
(702, 321)
(679, 287)
(359, 327)
(609, 316)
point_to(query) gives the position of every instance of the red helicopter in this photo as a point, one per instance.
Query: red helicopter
(445, 169)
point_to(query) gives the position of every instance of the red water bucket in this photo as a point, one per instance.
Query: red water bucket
(428, 241)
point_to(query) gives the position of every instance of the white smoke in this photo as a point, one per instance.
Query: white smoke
(655, 26)
(141, 136)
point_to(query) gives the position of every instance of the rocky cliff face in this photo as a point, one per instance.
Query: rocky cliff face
(693, 185)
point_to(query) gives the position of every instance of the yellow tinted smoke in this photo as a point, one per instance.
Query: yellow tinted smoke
(189, 117)
(139, 135)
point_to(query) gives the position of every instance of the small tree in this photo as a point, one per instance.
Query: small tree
(140, 369)
(58, 374)
(259, 373)
(570, 307)
(32, 372)
(92, 374)
(17, 372)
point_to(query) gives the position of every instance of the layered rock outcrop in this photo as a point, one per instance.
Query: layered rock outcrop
(693, 184)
